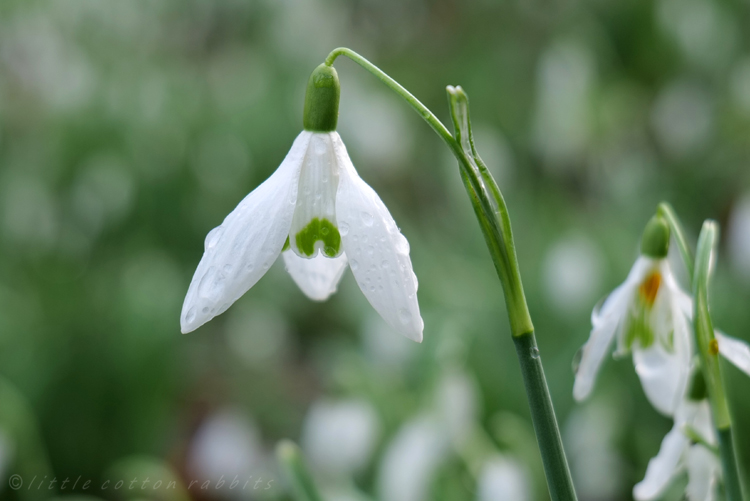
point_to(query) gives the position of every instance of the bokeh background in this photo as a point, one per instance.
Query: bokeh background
(130, 128)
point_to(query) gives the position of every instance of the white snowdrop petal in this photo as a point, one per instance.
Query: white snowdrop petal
(313, 229)
(665, 373)
(593, 355)
(734, 350)
(663, 467)
(378, 253)
(318, 277)
(662, 376)
(702, 466)
(240, 251)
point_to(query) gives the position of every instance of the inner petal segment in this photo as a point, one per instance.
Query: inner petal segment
(314, 222)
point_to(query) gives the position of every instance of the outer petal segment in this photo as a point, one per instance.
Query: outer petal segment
(605, 324)
(734, 350)
(317, 277)
(378, 253)
(240, 251)
(663, 467)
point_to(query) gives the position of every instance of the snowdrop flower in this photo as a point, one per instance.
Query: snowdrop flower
(691, 444)
(650, 316)
(681, 451)
(318, 213)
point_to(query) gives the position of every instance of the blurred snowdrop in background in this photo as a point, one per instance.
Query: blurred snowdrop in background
(411, 459)
(339, 436)
(503, 479)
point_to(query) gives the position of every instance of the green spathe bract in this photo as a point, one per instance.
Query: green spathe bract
(655, 239)
(319, 229)
(322, 100)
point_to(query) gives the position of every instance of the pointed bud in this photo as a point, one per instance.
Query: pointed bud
(322, 100)
(655, 239)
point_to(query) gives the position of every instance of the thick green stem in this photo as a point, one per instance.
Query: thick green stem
(708, 351)
(667, 212)
(543, 416)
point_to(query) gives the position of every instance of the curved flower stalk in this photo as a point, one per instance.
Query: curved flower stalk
(649, 315)
(322, 215)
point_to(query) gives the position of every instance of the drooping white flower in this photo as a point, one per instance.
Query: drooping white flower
(650, 316)
(679, 452)
(322, 215)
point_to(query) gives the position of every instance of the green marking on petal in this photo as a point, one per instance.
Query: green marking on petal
(286, 245)
(638, 327)
(319, 229)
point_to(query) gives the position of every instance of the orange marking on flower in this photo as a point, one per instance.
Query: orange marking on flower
(650, 288)
(713, 347)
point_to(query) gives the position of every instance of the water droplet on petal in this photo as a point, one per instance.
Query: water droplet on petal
(367, 218)
(205, 310)
(384, 264)
(343, 229)
(227, 269)
(190, 315)
(213, 237)
(354, 264)
(370, 250)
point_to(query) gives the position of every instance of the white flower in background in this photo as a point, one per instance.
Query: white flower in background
(679, 452)
(411, 460)
(316, 205)
(227, 444)
(503, 479)
(457, 405)
(339, 436)
(738, 233)
(650, 316)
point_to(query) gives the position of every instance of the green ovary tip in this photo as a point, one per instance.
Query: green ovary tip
(319, 229)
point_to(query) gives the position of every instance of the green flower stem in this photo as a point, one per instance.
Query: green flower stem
(667, 212)
(290, 458)
(708, 350)
(494, 220)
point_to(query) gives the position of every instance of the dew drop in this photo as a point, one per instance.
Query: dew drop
(354, 264)
(190, 315)
(227, 269)
(384, 264)
(205, 310)
(367, 218)
(534, 352)
(343, 229)
(370, 250)
(250, 267)
(213, 237)
(372, 288)
(324, 230)
(404, 315)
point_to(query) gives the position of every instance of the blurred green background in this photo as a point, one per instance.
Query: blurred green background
(130, 128)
